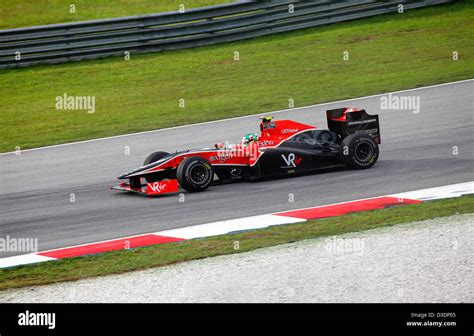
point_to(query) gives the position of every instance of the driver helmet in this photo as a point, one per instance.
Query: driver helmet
(248, 138)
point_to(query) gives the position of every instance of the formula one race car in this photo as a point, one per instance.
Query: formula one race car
(283, 147)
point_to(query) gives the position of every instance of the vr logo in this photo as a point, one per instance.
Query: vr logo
(155, 186)
(290, 160)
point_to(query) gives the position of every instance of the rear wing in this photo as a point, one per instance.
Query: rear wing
(346, 121)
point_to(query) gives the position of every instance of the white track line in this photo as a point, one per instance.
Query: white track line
(453, 190)
(236, 118)
(228, 226)
(23, 259)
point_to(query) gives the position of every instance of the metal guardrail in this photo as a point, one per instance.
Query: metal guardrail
(242, 20)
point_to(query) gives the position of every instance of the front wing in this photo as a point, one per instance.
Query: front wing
(152, 188)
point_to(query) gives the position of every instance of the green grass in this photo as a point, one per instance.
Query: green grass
(24, 13)
(161, 255)
(387, 53)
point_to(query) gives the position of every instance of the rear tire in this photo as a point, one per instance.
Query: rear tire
(195, 174)
(153, 157)
(359, 151)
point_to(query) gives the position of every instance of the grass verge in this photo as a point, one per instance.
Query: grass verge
(161, 255)
(386, 53)
(25, 13)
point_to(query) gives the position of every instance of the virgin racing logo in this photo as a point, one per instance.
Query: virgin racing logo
(291, 160)
(157, 187)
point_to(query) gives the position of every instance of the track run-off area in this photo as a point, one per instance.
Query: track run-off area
(430, 148)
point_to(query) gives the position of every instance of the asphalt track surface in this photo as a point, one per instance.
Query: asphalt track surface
(416, 152)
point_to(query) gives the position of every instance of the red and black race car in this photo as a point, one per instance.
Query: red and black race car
(283, 147)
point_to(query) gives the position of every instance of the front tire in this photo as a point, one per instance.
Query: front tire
(153, 157)
(195, 174)
(359, 151)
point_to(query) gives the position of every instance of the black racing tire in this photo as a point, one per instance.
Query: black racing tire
(195, 174)
(359, 151)
(153, 157)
